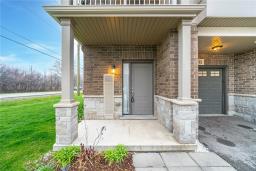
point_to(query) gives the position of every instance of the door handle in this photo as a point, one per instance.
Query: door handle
(132, 99)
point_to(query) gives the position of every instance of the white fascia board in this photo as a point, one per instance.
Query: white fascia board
(189, 11)
(226, 31)
(200, 17)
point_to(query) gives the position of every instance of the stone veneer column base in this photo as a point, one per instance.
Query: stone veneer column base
(185, 121)
(66, 124)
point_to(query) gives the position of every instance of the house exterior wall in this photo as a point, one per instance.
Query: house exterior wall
(241, 81)
(98, 61)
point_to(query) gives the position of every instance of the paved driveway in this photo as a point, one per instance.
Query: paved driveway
(232, 138)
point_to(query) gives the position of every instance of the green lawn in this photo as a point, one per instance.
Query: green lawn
(27, 130)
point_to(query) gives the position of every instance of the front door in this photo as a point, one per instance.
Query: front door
(138, 88)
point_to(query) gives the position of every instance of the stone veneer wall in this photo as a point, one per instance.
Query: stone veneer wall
(94, 107)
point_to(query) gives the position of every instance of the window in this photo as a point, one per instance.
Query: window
(202, 73)
(215, 73)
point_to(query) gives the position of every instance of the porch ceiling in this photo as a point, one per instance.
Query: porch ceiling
(228, 22)
(125, 25)
(122, 30)
(230, 44)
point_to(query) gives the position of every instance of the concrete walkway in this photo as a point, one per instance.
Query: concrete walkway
(9, 96)
(136, 135)
(180, 161)
(232, 138)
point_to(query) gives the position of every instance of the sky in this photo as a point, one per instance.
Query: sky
(28, 19)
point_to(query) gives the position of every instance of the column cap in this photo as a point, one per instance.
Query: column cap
(66, 105)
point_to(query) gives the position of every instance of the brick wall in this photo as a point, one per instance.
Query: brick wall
(222, 59)
(99, 59)
(245, 72)
(167, 67)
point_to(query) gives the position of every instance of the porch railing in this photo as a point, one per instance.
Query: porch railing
(132, 2)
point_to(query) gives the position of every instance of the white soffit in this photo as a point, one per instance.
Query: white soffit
(226, 31)
(228, 22)
(230, 44)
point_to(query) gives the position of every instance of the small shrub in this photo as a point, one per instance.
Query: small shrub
(45, 168)
(44, 163)
(66, 155)
(116, 155)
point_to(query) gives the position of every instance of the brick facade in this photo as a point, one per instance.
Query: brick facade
(245, 72)
(98, 61)
(241, 70)
(224, 60)
(167, 67)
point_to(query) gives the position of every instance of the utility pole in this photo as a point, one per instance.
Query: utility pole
(78, 69)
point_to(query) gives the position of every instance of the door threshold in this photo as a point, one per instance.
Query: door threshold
(138, 117)
(210, 115)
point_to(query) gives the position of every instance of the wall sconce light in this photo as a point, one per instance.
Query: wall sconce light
(113, 69)
(216, 44)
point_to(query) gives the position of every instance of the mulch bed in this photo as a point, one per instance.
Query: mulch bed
(90, 160)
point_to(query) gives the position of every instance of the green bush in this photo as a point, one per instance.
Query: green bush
(66, 155)
(116, 155)
(45, 168)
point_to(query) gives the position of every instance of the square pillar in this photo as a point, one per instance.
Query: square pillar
(66, 109)
(185, 109)
(184, 60)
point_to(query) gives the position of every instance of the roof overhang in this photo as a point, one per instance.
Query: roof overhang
(123, 25)
(189, 11)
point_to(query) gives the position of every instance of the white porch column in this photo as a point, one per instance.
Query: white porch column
(184, 57)
(185, 110)
(67, 63)
(66, 109)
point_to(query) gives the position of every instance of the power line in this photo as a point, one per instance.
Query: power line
(23, 37)
(22, 44)
(17, 42)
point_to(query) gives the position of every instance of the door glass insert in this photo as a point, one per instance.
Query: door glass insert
(215, 73)
(126, 88)
(202, 73)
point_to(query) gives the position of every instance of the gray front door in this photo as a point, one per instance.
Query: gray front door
(138, 88)
(211, 91)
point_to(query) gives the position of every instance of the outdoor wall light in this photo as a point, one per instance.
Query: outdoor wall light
(113, 70)
(216, 44)
(218, 47)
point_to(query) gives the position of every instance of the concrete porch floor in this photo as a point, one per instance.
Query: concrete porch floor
(137, 135)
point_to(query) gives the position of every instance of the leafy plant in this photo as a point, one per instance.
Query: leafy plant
(44, 163)
(116, 155)
(45, 168)
(66, 155)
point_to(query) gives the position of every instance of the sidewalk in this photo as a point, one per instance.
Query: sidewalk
(9, 96)
(180, 161)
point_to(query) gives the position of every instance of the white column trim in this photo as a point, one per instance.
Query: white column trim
(184, 60)
(67, 62)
